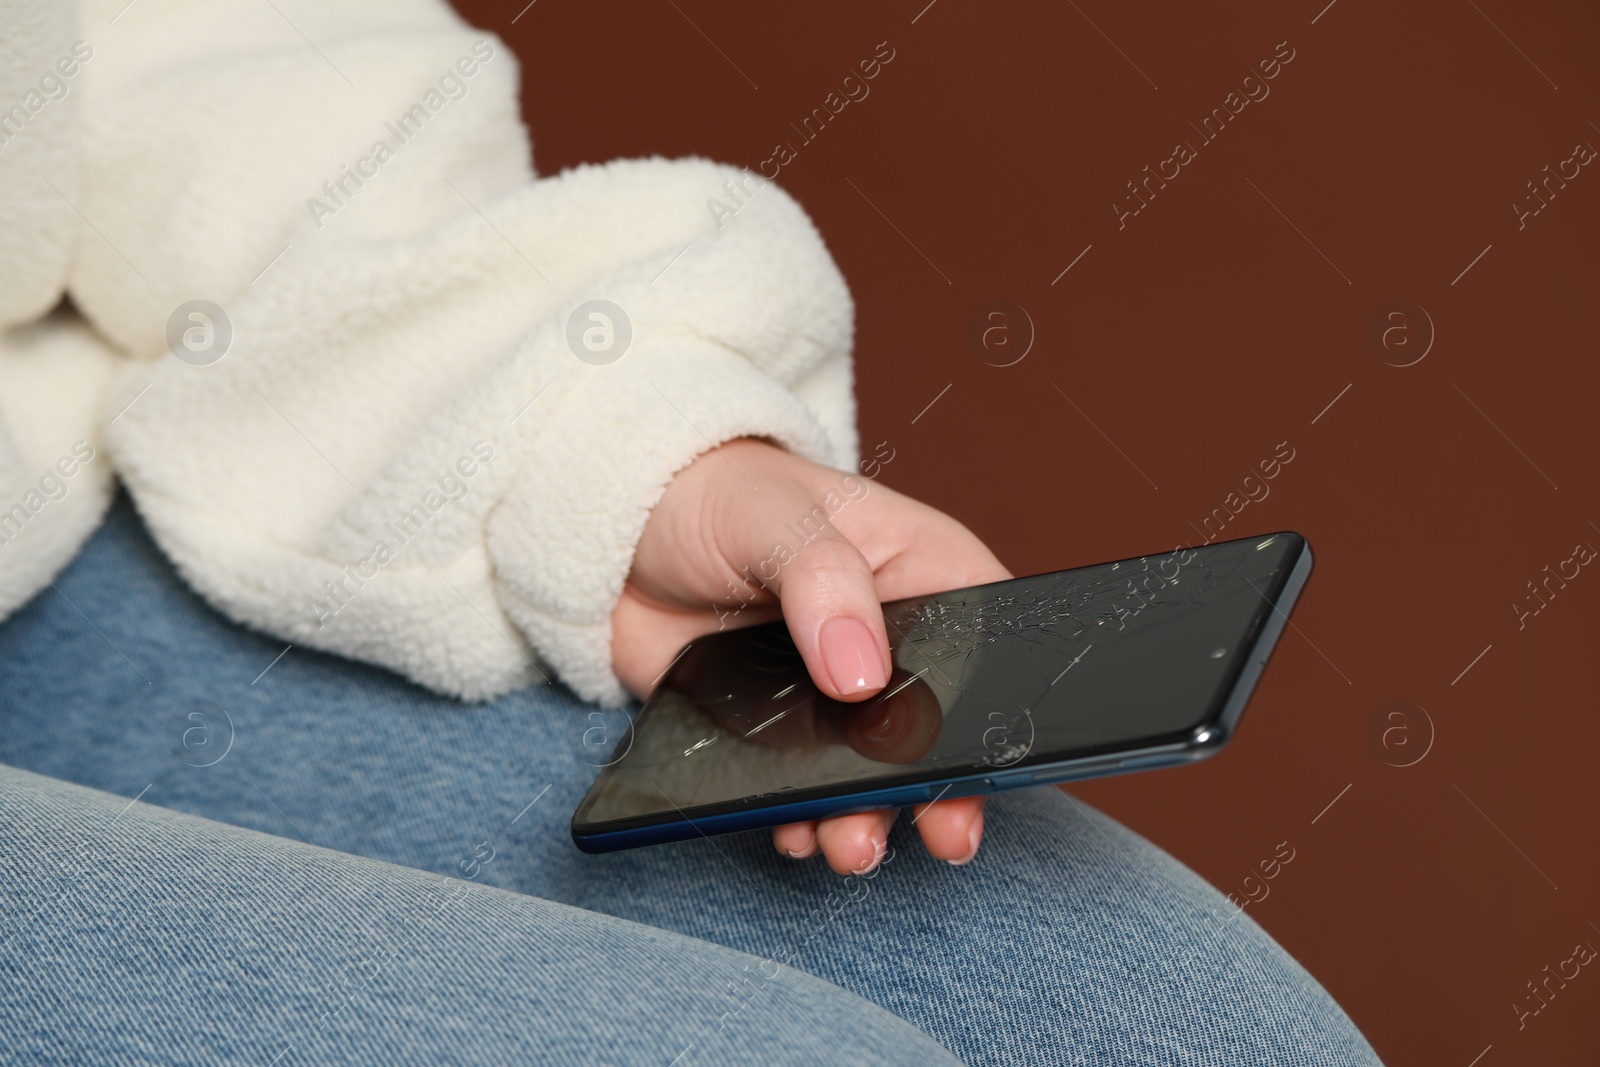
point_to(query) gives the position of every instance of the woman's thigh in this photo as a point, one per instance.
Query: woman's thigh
(135, 934)
(1070, 939)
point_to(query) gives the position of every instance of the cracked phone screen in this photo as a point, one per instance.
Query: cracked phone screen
(1018, 673)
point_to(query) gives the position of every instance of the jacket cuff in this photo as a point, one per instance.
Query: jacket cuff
(562, 541)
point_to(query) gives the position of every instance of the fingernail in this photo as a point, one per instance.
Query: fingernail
(880, 846)
(850, 655)
(792, 854)
(975, 832)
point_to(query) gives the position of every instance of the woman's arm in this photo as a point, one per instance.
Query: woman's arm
(403, 434)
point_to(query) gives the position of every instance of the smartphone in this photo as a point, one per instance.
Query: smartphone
(1118, 667)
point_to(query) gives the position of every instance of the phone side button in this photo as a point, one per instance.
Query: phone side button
(962, 789)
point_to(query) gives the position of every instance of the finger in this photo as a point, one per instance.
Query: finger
(645, 640)
(916, 549)
(831, 607)
(648, 636)
(797, 840)
(855, 844)
(951, 829)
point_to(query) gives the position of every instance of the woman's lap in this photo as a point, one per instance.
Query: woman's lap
(134, 934)
(1070, 939)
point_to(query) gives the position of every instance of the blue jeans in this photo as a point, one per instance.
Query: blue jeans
(1069, 940)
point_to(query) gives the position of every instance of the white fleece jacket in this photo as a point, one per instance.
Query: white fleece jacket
(388, 433)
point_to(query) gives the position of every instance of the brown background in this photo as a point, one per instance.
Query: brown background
(1220, 321)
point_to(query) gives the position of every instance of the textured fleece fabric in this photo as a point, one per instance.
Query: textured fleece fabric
(399, 455)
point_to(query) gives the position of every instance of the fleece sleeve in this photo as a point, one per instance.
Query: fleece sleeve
(386, 393)
(40, 60)
(55, 480)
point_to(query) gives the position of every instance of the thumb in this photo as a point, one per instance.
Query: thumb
(830, 603)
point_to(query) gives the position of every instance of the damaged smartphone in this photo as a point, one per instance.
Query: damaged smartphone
(1118, 667)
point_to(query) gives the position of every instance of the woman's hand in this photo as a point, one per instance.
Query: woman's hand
(723, 519)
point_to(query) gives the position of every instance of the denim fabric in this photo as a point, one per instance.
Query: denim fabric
(1069, 940)
(131, 933)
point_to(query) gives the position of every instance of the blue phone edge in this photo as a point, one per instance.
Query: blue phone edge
(1204, 741)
